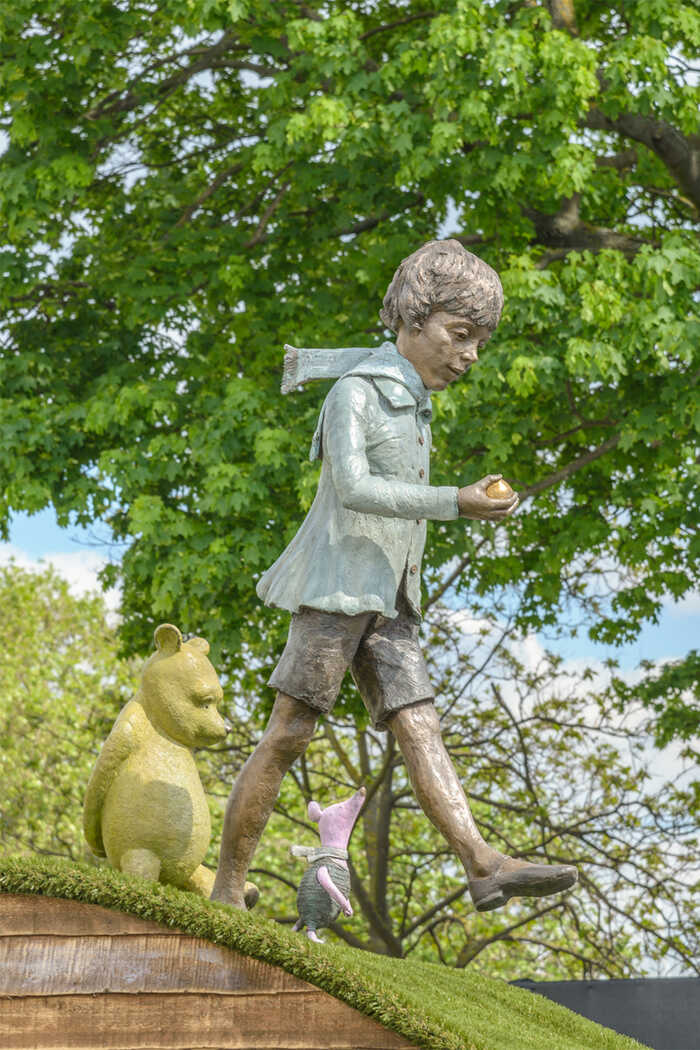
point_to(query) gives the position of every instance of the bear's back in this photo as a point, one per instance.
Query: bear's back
(156, 802)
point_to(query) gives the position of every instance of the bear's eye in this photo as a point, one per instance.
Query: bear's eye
(204, 701)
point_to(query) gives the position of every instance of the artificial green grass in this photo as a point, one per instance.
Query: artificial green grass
(433, 1006)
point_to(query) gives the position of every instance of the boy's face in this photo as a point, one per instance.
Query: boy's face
(444, 349)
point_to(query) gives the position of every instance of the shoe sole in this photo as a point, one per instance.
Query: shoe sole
(490, 893)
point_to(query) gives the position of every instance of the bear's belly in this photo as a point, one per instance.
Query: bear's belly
(156, 802)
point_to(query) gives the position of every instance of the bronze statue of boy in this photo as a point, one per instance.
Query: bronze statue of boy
(351, 575)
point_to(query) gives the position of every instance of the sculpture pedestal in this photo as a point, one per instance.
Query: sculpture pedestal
(78, 975)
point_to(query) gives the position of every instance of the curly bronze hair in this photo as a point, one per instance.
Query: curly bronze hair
(442, 275)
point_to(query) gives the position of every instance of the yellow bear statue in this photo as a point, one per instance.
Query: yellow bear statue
(145, 808)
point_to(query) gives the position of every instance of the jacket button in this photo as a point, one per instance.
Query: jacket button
(421, 473)
(413, 570)
(421, 441)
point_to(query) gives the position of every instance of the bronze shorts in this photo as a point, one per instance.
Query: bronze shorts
(384, 657)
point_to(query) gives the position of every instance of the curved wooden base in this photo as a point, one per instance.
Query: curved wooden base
(78, 975)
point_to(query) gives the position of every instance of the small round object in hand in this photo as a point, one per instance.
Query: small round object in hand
(499, 490)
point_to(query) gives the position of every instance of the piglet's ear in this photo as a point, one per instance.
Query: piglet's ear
(314, 812)
(199, 643)
(167, 638)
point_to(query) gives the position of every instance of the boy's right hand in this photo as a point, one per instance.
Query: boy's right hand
(474, 503)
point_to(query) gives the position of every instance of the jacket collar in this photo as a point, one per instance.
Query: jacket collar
(396, 379)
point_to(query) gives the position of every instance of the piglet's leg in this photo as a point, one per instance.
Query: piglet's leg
(324, 877)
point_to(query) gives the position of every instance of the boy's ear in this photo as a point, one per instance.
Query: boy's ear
(314, 812)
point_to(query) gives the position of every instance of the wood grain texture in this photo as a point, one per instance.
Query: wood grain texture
(29, 914)
(75, 976)
(309, 1020)
(56, 965)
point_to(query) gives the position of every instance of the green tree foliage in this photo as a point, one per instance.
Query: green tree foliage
(188, 185)
(61, 687)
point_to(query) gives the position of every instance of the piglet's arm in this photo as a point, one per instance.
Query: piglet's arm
(325, 880)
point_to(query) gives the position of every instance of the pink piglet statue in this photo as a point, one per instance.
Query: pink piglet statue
(325, 885)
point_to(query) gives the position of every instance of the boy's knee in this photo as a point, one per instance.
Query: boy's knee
(420, 718)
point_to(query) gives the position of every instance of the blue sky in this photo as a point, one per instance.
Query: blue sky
(76, 555)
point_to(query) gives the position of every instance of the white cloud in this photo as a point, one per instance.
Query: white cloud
(479, 635)
(79, 568)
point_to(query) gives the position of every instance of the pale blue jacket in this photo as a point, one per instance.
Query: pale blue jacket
(366, 526)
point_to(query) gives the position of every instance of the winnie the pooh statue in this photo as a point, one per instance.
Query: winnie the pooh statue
(145, 808)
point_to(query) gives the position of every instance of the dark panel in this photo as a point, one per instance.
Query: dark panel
(662, 1012)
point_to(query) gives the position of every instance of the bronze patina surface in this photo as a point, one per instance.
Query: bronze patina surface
(355, 562)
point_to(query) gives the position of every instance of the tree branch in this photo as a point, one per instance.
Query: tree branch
(381, 928)
(461, 566)
(259, 234)
(211, 189)
(527, 493)
(565, 231)
(571, 468)
(622, 161)
(369, 224)
(399, 22)
(679, 153)
(430, 912)
(563, 16)
(113, 103)
(342, 755)
(469, 952)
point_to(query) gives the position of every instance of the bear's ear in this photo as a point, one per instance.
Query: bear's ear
(199, 643)
(167, 638)
(314, 812)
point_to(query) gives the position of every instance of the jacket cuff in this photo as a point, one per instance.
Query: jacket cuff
(448, 507)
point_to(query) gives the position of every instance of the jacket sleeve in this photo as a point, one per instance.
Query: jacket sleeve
(345, 429)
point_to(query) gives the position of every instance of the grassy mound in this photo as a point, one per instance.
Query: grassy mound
(433, 1006)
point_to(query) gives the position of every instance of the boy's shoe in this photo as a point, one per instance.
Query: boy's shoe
(520, 878)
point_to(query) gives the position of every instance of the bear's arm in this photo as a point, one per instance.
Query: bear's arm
(117, 747)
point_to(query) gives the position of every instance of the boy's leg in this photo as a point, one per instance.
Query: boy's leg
(437, 786)
(255, 792)
(319, 648)
(493, 878)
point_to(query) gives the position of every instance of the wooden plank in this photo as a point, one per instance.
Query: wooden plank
(53, 965)
(307, 1020)
(32, 914)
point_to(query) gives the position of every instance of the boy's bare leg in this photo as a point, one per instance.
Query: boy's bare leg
(437, 787)
(255, 792)
(493, 878)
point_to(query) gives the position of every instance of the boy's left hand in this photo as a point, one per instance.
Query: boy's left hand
(475, 504)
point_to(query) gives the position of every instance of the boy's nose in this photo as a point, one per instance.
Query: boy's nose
(470, 354)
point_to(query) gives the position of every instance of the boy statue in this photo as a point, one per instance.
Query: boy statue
(351, 575)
